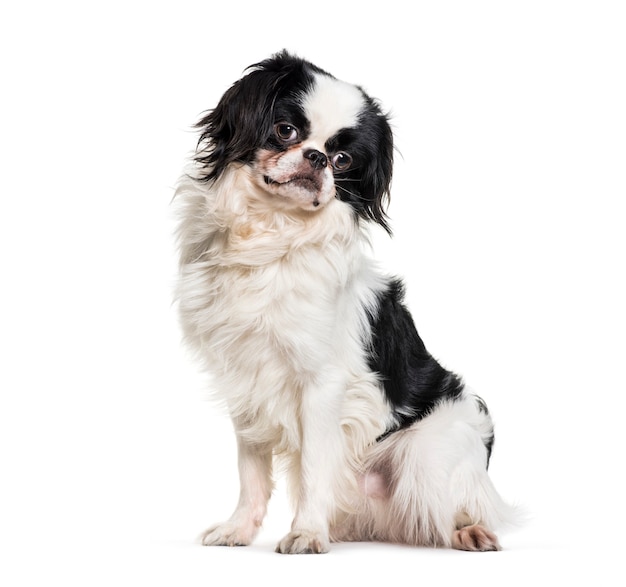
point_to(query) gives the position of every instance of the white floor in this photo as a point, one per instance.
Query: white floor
(528, 557)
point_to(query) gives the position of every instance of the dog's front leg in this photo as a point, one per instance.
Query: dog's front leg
(321, 456)
(255, 476)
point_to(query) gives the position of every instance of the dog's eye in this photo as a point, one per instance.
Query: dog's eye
(286, 132)
(341, 161)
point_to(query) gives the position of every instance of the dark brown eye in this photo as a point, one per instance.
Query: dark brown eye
(341, 161)
(286, 132)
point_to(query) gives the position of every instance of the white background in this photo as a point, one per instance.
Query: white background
(508, 216)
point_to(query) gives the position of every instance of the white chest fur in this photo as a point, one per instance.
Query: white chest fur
(273, 303)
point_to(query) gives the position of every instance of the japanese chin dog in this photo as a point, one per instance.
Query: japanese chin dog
(311, 349)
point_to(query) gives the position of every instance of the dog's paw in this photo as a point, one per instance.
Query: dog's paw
(303, 542)
(226, 534)
(475, 538)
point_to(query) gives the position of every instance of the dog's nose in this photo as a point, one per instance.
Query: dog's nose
(316, 158)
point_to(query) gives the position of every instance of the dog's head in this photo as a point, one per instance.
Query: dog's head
(306, 137)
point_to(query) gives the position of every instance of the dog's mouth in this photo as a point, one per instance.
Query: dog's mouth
(269, 181)
(292, 179)
(311, 184)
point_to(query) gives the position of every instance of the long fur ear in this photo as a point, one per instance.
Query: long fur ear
(232, 131)
(369, 180)
(376, 175)
(243, 119)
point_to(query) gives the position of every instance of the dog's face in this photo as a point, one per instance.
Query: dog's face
(306, 137)
(308, 152)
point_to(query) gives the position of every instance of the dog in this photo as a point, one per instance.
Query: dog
(311, 348)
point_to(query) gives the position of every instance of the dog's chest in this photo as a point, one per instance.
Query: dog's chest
(269, 331)
(288, 305)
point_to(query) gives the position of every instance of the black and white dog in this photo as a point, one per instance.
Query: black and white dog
(312, 350)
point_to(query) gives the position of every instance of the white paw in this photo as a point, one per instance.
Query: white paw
(226, 534)
(475, 538)
(303, 542)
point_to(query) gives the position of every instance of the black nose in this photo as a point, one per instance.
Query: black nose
(316, 158)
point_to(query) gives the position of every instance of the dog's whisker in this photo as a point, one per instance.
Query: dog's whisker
(356, 196)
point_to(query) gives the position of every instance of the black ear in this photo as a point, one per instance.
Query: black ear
(243, 119)
(377, 173)
(234, 129)
(365, 186)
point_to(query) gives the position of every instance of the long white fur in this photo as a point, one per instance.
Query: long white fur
(276, 305)
(274, 299)
(438, 481)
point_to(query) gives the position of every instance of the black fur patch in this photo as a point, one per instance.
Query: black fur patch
(413, 381)
(243, 120)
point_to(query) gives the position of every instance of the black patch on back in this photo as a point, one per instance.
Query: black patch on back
(413, 381)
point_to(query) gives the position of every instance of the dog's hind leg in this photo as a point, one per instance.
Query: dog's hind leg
(473, 537)
(428, 485)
